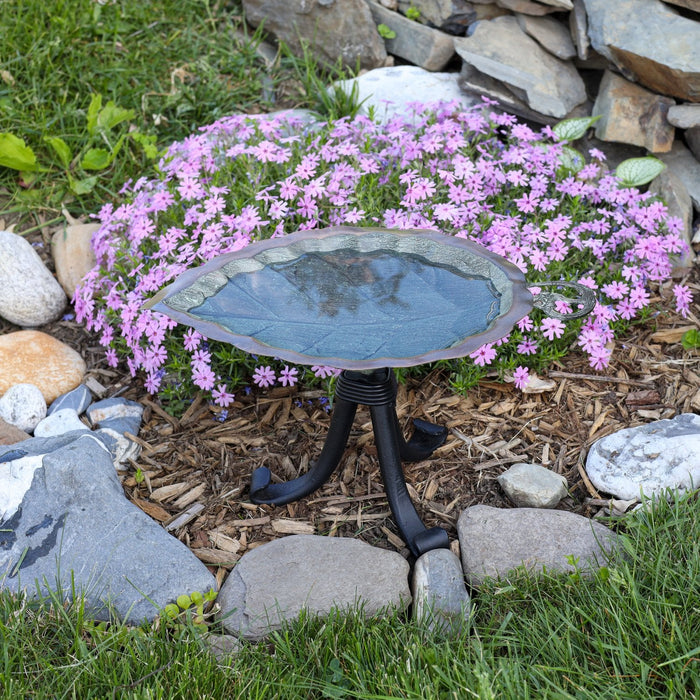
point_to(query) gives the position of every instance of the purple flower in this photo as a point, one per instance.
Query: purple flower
(222, 397)
(322, 371)
(521, 377)
(552, 328)
(288, 377)
(483, 355)
(264, 376)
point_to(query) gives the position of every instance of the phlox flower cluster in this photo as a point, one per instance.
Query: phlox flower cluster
(474, 174)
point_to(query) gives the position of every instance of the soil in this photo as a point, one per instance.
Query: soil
(196, 469)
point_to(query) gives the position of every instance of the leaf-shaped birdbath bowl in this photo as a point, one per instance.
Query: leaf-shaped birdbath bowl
(352, 298)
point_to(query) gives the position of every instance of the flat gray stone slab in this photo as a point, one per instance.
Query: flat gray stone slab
(273, 583)
(496, 541)
(71, 526)
(532, 485)
(648, 459)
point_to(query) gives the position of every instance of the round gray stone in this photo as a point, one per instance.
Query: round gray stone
(23, 406)
(532, 486)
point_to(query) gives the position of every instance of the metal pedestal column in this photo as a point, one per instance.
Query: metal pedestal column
(376, 389)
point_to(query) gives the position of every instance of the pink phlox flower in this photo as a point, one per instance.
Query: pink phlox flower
(221, 396)
(525, 324)
(421, 188)
(152, 383)
(683, 297)
(521, 377)
(323, 371)
(354, 215)
(204, 377)
(552, 328)
(600, 357)
(588, 281)
(527, 346)
(111, 356)
(615, 290)
(639, 297)
(562, 307)
(597, 154)
(191, 339)
(288, 376)
(201, 358)
(483, 355)
(264, 376)
(626, 309)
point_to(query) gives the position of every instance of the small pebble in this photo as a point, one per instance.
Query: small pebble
(23, 406)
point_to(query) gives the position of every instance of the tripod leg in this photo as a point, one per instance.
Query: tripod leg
(263, 491)
(388, 441)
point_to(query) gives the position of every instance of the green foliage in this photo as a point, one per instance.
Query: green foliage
(635, 172)
(386, 32)
(413, 13)
(691, 339)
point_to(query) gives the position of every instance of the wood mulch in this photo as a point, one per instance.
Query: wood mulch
(196, 469)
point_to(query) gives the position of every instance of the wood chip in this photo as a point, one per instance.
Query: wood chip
(183, 518)
(670, 335)
(394, 539)
(190, 496)
(221, 541)
(215, 556)
(165, 493)
(250, 522)
(152, 509)
(282, 526)
(646, 397)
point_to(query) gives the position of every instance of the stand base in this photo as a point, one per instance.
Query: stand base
(376, 389)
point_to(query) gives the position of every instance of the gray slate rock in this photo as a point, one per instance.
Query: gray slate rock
(74, 526)
(682, 163)
(650, 42)
(23, 406)
(496, 541)
(647, 459)
(31, 296)
(391, 91)
(548, 85)
(420, 45)
(550, 34)
(684, 116)
(336, 29)
(273, 583)
(108, 409)
(78, 399)
(440, 598)
(532, 486)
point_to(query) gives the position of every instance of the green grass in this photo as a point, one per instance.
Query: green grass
(175, 65)
(632, 632)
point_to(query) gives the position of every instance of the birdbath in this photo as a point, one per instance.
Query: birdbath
(363, 300)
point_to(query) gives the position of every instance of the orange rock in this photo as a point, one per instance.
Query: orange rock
(33, 357)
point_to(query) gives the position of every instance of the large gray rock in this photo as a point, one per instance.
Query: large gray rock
(684, 116)
(548, 85)
(496, 541)
(440, 598)
(631, 114)
(65, 524)
(273, 583)
(30, 294)
(420, 45)
(650, 42)
(647, 459)
(390, 92)
(336, 29)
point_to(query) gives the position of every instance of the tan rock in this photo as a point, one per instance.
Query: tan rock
(9, 435)
(631, 114)
(72, 253)
(33, 357)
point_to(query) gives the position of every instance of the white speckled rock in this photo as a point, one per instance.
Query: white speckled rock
(59, 422)
(647, 459)
(31, 296)
(23, 406)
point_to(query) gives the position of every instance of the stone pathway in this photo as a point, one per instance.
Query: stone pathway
(64, 519)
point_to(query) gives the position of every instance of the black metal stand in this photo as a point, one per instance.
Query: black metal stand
(376, 389)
